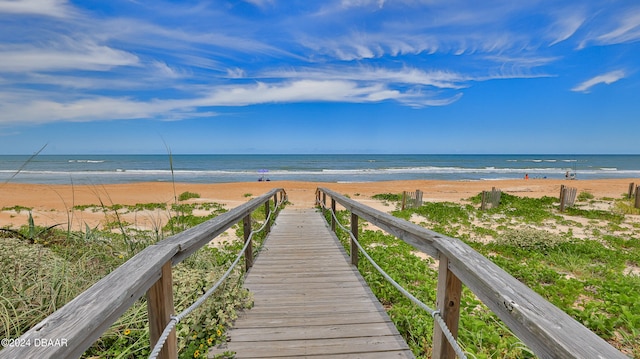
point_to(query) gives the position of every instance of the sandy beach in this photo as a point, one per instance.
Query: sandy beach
(52, 204)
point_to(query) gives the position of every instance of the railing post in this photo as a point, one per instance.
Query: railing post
(267, 227)
(637, 203)
(631, 187)
(448, 303)
(333, 211)
(160, 309)
(354, 246)
(248, 253)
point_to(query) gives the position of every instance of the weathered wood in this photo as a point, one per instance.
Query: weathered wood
(160, 308)
(248, 252)
(448, 297)
(354, 246)
(86, 317)
(490, 199)
(411, 199)
(631, 188)
(547, 330)
(308, 300)
(404, 200)
(194, 238)
(637, 202)
(333, 218)
(267, 209)
(567, 197)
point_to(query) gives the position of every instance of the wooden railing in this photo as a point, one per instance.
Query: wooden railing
(79, 323)
(547, 330)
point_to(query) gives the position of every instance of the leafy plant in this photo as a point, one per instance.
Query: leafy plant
(584, 195)
(187, 195)
(31, 232)
(393, 197)
(529, 239)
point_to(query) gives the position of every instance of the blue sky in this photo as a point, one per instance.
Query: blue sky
(335, 76)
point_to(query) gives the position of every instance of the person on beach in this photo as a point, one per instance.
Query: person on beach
(526, 176)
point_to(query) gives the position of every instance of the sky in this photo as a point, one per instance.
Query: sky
(333, 76)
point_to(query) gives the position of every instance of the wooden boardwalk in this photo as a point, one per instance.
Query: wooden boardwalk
(309, 301)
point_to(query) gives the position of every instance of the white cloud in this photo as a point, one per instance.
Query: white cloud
(68, 55)
(404, 76)
(235, 73)
(39, 108)
(260, 3)
(627, 29)
(566, 25)
(608, 78)
(53, 8)
(297, 91)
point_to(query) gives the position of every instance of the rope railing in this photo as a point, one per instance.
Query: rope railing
(85, 318)
(547, 330)
(175, 319)
(434, 313)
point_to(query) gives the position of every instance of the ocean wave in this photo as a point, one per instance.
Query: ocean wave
(86, 161)
(355, 171)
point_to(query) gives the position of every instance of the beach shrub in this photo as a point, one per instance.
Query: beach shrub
(391, 197)
(187, 195)
(529, 210)
(17, 209)
(584, 196)
(529, 239)
(591, 278)
(598, 214)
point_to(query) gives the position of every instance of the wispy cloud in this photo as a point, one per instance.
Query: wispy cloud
(403, 76)
(608, 78)
(50, 8)
(67, 55)
(567, 22)
(356, 51)
(627, 29)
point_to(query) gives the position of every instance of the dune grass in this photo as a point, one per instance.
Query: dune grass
(50, 266)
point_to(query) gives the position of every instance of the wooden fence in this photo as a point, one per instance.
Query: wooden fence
(490, 199)
(83, 320)
(411, 199)
(567, 197)
(547, 330)
(635, 193)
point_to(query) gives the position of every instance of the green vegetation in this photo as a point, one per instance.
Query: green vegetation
(16, 209)
(586, 261)
(584, 196)
(47, 267)
(187, 195)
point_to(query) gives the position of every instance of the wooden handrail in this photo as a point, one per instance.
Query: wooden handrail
(83, 320)
(546, 329)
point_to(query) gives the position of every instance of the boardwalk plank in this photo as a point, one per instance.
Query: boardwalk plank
(309, 301)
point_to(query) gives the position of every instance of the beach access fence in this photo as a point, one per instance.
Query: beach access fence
(634, 191)
(85, 318)
(490, 199)
(543, 327)
(567, 197)
(411, 199)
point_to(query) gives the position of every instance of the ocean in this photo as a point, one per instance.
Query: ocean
(107, 169)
